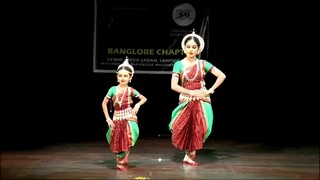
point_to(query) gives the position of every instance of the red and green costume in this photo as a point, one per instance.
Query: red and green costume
(191, 121)
(126, 131)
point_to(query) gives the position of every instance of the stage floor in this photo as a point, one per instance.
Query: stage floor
(220, 159)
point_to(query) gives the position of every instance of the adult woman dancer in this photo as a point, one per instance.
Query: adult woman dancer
(191, 121)
(123, 127)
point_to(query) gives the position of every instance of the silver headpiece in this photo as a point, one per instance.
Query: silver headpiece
(126, 64)
(193, 34)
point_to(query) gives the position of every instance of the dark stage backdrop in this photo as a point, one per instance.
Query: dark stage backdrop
(52, 94)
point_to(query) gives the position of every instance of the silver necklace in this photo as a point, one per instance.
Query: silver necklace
(195, 76)
(117, 99)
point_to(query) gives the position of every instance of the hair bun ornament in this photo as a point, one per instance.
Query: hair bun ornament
(193, 34)
(126, 64)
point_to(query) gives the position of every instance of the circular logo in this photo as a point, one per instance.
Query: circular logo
(184, 14)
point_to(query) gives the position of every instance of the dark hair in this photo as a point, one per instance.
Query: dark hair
(125, 68)
(196, 40)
